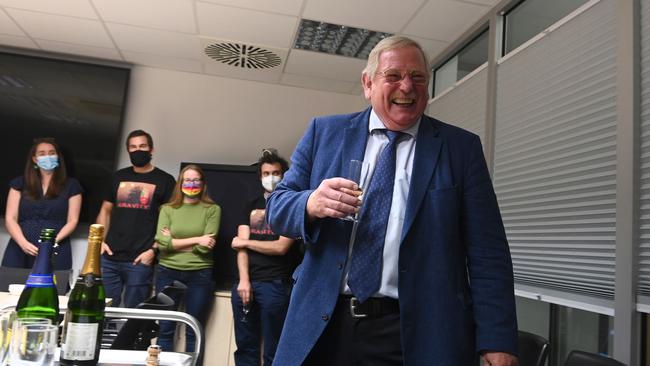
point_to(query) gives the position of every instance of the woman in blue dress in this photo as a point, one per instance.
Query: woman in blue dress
(43, 197)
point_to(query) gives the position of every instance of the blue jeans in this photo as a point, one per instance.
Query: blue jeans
(134, 280)
(264, 321)
(197, 299)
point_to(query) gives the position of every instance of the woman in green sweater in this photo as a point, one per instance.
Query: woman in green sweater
(187, 227)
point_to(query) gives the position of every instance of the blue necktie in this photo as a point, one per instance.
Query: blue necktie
(364, 277)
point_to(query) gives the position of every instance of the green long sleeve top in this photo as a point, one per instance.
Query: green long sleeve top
(187, 221)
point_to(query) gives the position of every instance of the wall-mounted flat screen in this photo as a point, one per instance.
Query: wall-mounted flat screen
(81, 105)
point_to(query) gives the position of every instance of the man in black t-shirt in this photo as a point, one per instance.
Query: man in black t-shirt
(130, 214)
(265, 261)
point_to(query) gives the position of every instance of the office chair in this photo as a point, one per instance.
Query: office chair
(136, 334)
(176, 291)
(11, 275)
(533, 349)
(580, 358)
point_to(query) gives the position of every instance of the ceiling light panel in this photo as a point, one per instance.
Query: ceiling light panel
(336, 39)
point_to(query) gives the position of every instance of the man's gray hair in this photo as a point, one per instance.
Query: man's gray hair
(391, 43)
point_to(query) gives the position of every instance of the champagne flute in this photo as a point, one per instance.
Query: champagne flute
(357, 170)
(7, 317)
(245, 310)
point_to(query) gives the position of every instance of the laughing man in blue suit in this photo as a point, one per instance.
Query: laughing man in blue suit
(425, 276)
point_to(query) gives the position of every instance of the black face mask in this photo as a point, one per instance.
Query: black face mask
(140, 158)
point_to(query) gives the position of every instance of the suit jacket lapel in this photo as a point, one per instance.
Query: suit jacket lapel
(354, 141)
(427, 151)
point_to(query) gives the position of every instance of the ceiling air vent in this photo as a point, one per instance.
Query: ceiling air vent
(242, 55)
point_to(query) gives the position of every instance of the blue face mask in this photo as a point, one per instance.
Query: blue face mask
(47, 162)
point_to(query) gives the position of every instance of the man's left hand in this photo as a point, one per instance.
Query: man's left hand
(145, 258)
(499, 359)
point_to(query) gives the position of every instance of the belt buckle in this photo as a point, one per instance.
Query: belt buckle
(354, 302)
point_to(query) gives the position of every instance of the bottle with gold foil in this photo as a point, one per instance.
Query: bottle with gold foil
(39, 298)
(84, 320)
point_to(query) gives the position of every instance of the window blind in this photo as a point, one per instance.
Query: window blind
(555, 156)
(464, 105)
(643, 289)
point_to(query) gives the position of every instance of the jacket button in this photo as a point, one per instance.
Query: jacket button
(340, 266)
(325, 317)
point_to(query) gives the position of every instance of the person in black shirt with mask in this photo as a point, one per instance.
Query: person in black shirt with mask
(265, 261)
(130, 214)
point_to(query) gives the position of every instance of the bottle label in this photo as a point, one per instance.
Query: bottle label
(80, 341)
(40, 280)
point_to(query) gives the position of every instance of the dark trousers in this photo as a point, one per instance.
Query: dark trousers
(134, 280)
(197, 299)
(264, 321)
(347, 341)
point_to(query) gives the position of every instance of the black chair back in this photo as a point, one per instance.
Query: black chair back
(533, 349)
(136, 334)
(581, 358)
(176, 291)
(14, 275)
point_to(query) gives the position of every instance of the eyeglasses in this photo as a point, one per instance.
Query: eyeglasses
(393, 76)
(195, 180)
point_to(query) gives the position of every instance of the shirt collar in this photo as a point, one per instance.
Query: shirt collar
(376, 124)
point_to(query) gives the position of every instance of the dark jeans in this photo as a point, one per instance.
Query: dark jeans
(264, 321)
(197, 299)
(134, 280)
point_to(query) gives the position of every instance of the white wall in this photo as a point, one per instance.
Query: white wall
(210, 119)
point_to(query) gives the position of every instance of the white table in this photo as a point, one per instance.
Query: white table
(110, 357)
(10, 299)
(114, 357)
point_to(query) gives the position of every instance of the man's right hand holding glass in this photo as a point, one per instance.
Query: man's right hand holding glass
(334, 197)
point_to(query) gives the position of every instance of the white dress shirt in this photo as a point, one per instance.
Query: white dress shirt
(377, 141)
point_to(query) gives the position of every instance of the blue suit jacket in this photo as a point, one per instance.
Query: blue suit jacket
(455, 273)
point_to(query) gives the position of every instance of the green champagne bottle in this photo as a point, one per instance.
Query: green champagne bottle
(39, 298)
(84, 320)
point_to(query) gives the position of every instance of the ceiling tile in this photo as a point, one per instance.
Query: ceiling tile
(378, 15)
(237, 73)
(157, 42)
(431, 47)
(8, 26)
(62, 28)
(480, 2)
(173, 15)
(16, 41)
(324, 66)
(75, 8)
(288, 7)
(88, 51)
(445, 19)
(246, 26)
(163, 62)
(317, 83)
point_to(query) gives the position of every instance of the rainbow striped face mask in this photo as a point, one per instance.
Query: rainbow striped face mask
(191, 189)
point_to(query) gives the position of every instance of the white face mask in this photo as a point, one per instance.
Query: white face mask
(270, 181)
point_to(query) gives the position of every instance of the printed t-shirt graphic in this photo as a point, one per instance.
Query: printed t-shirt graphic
(135, 195)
